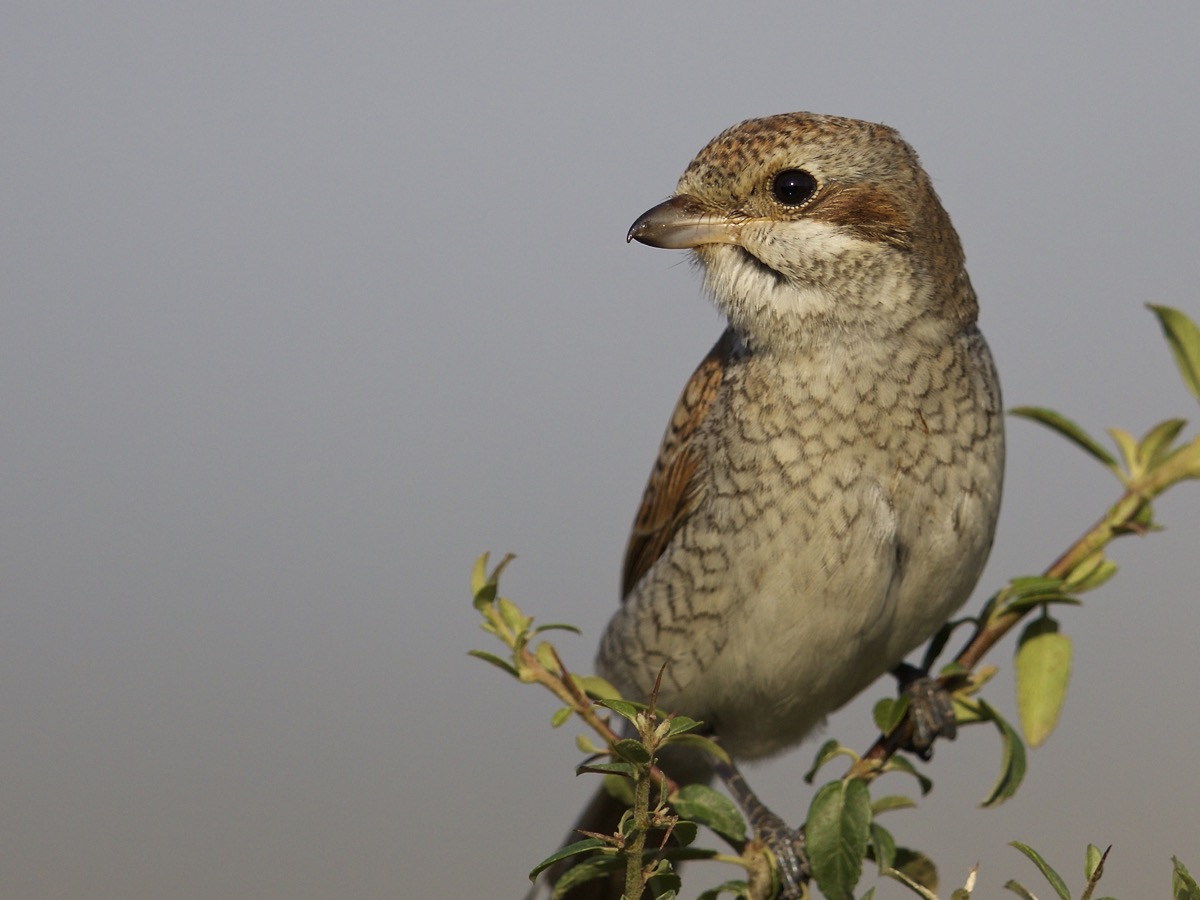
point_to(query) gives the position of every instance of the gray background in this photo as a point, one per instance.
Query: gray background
(305, 306)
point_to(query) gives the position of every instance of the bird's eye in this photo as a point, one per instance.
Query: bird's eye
(793, 187)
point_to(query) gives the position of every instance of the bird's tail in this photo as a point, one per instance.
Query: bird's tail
(602, 815)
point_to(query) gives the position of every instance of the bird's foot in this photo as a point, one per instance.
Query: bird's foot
(784, 843)
(930, 709)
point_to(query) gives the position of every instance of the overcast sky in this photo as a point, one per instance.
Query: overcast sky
(305, 306)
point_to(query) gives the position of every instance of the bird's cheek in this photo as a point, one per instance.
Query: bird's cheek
(719, 257)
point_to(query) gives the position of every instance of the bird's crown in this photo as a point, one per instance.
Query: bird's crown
(801, 220)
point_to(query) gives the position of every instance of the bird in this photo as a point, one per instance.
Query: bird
(827, 490)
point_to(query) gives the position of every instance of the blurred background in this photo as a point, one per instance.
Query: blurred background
(307, 305)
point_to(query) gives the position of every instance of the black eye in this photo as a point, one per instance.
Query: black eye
(793, 187)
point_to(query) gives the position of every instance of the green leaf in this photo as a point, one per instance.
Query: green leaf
(1182, 461)
(1183, 885)
(1183, 336)
(967, 712)
(663, 882)
(584, 846)
(681, 724)
(827, 751)
(479, 580)
(889, 712)
(624, 708)
(954, 669)
(702, 743)
(1094, 859)
(1043, 670)
(883, 847)
(683, 854)
(1106, 570)
(586, 745)
(836, 833)
(599, 866)
(979, 677)
(1035, 584)
(1093, 869)
(632, 751)
(596, 687)
(619, 788)
(918, 867)
(1026, 603)
(684, 832)
(1083, 569)
(1056, 882)
(1128, 446)
(557, 626)
(737, 888)
(891, 802)
(544, 653)
(483, 585)
(617, 768)
(1019, 889)
(1012, 763)
(700, 803)
(913, 886)
(937, 644)
(1067, 428)
(495, 661)
(511, 615)
(560, 716)
(661, 867)
(916, 872)
(1157, 442)
(1090, 573)
(1029, 591)
(869, 895)
(901, 764)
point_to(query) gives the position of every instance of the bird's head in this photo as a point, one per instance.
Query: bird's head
(808, 225)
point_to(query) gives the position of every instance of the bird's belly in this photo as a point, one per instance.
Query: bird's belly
(833, 537)
(811, 605)
(816, 594)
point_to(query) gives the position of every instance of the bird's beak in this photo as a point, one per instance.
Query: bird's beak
(683, 222)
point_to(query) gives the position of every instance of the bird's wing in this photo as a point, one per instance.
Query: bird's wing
(677, 481)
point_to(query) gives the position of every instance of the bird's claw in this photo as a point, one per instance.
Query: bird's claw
(930, 710)
(786, 846)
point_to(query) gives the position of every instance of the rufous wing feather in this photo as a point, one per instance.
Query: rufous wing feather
(677, 481)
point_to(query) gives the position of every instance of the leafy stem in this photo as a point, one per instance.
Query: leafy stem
(1146, 469)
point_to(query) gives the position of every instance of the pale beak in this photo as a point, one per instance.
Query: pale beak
(683, 222)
